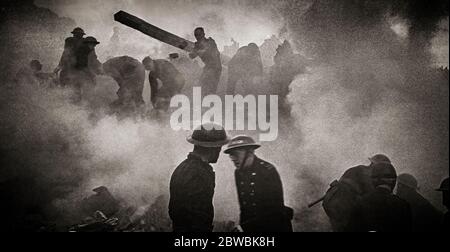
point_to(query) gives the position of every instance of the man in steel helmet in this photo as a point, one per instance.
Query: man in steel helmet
(340, 201)
(381, 210)
(86, 68)
(193, 181)
(68, 58)
(260, 189)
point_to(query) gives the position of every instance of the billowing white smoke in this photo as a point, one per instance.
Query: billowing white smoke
(349, 112)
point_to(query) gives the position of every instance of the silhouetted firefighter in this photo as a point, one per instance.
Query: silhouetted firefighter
(193, 181)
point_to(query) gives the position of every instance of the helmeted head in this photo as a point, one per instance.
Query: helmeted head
(379, 159)
(91, 42)
(253, 46)
(240, 149)
(148, 63)
(384, 175)
(444, 188)
(78, 32)
(35, 65)
(407, 180)
(199, 33)
(208, 140)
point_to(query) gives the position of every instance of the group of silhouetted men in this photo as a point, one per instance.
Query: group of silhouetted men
(79, 66)
(364, 199)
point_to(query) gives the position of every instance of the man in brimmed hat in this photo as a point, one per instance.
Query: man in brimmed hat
(193, 181)
(259, 188)
(85, 68)
(68, 58)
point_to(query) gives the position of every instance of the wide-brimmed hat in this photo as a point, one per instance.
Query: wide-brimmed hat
(91, 40)
(209, 135)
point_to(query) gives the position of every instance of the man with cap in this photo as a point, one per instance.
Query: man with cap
(340, 201)
(425, 217)
(206, 49)
(444, 189)
(85, 68)
(260, 189)
(381, 210)
(171, 79)
(68, 58)
(193, 181)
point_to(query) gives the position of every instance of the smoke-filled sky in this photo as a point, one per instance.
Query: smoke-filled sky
(222, 20)
(373, 87)
(245, 21)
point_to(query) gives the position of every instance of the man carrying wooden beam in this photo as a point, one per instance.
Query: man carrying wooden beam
(206, 49)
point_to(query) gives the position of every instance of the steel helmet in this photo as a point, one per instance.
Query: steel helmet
(380, 158)
(78, 30)
(242, 141)
(384, 174)
(91, 40)
(209, 135)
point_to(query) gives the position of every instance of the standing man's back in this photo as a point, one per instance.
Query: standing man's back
(385, 212)
(193, 182)
(191, 192)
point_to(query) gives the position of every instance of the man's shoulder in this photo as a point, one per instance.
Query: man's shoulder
(73, 40)
(265, 166)
(399, 201)
(191, 162)
(211, 42)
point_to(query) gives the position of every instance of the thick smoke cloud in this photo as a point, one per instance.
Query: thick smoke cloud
(372, 89)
